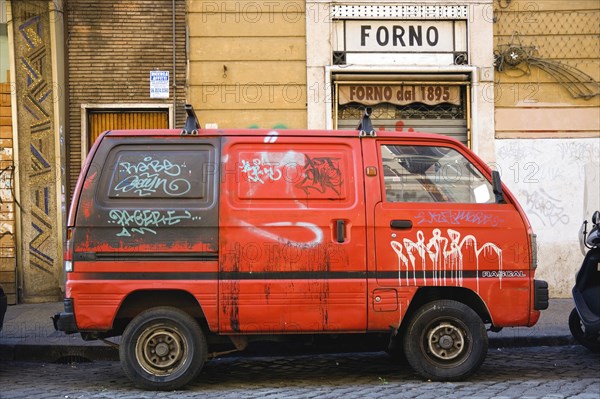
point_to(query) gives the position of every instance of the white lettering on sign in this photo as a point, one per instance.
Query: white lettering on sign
(400, 36)
(399, 95)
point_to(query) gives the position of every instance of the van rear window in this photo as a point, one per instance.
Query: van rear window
(159, 174)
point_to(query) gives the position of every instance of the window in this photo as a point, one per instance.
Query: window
(432, 174)
(159, 174)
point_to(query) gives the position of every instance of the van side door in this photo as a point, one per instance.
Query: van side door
(292, 235)
(436, 223)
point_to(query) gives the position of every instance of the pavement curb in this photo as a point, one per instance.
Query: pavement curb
(57, 353)
(87, 353)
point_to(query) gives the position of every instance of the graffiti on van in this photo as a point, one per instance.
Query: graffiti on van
(144, 221)
(150, 176)
(446, 257)
(257, 170)
(457, 217)
(313, 175)
(321, 174)
(270, 231)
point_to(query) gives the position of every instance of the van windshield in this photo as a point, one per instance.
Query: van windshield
(432, 174)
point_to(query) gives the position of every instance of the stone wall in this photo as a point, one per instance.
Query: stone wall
(40, 233)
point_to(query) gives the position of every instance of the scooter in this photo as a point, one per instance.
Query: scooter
(584, 320)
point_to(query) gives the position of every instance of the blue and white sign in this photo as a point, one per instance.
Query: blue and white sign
(159, 84)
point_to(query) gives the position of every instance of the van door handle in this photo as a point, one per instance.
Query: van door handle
(401, 224)
(341, 230)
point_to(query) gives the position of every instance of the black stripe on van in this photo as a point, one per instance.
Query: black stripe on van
(298, 275)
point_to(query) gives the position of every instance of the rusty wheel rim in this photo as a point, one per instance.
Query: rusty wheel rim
(161, 350)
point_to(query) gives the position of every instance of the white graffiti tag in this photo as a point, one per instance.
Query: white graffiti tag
(446, 257)
(147, 177)
(258, 170)
(265, 231)
(146, 220)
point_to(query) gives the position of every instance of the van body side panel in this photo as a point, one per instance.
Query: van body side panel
(148, 195)
(147, 218)
(292, 239)
(100, 287)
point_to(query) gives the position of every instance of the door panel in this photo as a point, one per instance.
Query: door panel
(437, 223)
(292, 242)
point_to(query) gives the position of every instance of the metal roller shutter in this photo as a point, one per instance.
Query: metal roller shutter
(428, 103)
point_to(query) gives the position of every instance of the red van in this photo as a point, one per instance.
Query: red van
(179, 239)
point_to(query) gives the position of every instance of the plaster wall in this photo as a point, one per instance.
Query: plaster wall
(557, 183)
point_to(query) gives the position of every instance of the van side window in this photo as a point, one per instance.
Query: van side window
(432, 174)
(158, 174)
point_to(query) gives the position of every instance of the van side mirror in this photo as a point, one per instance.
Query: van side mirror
(596, 217)
(497, 187)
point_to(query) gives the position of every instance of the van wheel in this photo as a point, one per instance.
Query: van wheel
(162, 348)
(578, 331)
(445, 341)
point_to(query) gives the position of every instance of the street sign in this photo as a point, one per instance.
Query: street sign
(159, 84)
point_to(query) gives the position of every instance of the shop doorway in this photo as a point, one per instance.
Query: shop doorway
(428, 103)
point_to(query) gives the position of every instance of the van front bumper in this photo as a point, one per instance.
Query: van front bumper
(65, 321)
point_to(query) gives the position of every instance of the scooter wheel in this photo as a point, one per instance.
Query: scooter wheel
(578, 330)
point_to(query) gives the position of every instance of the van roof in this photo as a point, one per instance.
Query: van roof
(276, 132)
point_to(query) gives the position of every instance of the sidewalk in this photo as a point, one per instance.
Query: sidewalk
(28, 334)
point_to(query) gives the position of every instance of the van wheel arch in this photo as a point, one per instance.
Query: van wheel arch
(445, 340)
(460, 294)
(429, 294)
(138, 301)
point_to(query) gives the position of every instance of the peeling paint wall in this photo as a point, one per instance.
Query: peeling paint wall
(557, 184)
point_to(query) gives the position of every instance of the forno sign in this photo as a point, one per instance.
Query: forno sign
(402, 36)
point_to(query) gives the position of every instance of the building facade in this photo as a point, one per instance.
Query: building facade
(515, 80)
(547, 122)
(247, 63)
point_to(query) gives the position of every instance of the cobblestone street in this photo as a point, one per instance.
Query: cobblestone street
(536, 372)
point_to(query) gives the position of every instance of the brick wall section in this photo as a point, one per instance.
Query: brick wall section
(7, 211)
(111, 48)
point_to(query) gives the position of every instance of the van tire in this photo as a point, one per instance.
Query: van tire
(445, 341)
(162, 348)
